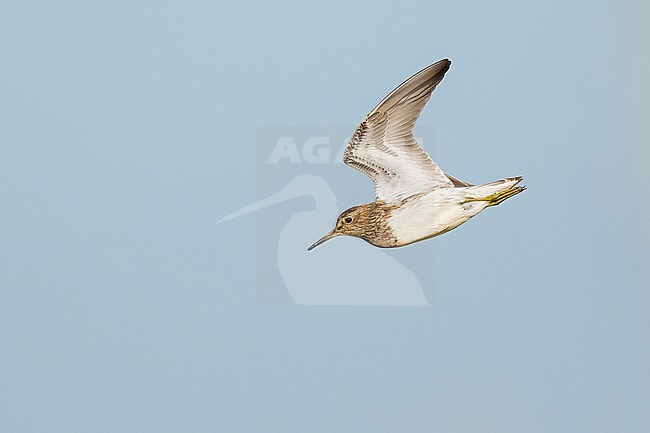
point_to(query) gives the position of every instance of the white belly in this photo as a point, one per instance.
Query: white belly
(437, 212)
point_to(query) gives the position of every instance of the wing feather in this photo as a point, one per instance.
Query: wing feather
(383, 146)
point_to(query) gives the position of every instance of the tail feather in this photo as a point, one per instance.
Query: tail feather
(496, 192)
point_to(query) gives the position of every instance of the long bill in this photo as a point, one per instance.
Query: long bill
(325, 238)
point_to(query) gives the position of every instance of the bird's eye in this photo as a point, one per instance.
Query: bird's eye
(348, 220)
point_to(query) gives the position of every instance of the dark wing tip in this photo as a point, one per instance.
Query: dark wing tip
(423, 82)
(444, 65)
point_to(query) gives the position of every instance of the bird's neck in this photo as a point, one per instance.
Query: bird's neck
(376, 229)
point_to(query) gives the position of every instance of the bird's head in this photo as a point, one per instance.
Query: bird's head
(358, 221)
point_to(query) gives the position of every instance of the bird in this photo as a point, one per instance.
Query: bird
(414, 198)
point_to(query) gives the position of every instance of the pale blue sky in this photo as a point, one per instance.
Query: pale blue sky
(128, 128)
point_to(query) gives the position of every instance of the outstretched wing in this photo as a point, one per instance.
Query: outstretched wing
(383, 146)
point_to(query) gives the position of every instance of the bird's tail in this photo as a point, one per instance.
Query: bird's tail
(495, 193)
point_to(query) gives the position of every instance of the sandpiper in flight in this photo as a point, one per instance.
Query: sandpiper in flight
(414, 198)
